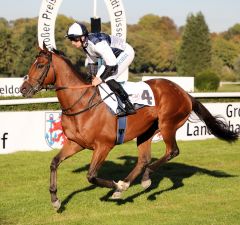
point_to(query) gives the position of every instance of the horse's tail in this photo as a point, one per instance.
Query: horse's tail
(215, 124)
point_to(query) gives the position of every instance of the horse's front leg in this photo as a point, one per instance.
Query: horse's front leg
(69, 149)
(99, 156)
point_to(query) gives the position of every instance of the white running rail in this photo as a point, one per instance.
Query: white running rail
(54, 99)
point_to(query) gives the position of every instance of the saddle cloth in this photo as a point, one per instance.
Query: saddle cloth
(140, 94)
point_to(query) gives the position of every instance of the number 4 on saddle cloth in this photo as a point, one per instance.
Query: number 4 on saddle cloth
(140, 94)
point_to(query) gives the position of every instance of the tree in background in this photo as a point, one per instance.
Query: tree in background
(157, 41)
(3, 23)
(195, 50)
(27, 49)
(153, 39)
(225, 54)
(7, 50)
(237, 68)
(225, 50)
(233, 33)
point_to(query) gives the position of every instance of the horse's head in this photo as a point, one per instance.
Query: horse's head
(41, 73)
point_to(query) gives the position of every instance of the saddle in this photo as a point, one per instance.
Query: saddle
(140, 95)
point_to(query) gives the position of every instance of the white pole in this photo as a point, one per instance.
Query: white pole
(95, 9)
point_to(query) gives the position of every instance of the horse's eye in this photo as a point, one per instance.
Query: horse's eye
(40, 66)
(25, 77)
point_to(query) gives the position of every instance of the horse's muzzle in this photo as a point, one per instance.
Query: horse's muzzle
(27, 90)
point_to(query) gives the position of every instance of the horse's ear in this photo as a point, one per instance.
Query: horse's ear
(45, 47)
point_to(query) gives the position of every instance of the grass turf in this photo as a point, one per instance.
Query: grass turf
(200, 186)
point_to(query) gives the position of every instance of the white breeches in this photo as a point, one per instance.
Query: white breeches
(123, 62)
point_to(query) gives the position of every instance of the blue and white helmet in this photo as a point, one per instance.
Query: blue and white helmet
(76, 30)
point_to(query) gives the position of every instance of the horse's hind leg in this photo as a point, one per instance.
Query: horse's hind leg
(168, 133)
(69, 149)
(144, 157)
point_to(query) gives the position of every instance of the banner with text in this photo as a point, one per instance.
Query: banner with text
(42, 131)
(46, 22)
(194, 129)
(118, 18)
(10, 86)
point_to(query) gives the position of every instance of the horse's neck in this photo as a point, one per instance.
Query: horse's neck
(66, 76)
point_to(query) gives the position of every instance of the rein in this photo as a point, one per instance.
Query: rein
(90, 103)
(75, 87)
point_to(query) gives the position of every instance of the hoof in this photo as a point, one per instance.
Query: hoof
(116, 195)
(146, 184)
(122, 186)
(56, 205)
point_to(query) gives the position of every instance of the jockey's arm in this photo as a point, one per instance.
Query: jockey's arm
(110, 67)
(92, 66)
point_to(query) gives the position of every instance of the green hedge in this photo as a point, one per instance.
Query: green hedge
(207, 81)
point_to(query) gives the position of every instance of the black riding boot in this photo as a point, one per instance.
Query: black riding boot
(122, 94)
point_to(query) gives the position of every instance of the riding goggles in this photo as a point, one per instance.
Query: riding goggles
(75, 39)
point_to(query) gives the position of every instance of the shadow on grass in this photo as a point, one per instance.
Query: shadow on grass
(176, 172)
(69, 197)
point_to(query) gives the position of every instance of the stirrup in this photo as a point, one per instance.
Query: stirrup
(129, 108)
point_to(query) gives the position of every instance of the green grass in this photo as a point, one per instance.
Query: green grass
(200, 186)
(229, 88)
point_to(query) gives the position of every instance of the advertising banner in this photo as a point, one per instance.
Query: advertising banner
(49, 10)
(10, 86)
(46, 22)
(30, 131)
(197, 130)
(118, 18)
(42, 131)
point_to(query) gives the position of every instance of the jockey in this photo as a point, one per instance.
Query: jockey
(116, 54)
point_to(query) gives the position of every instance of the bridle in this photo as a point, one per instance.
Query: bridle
(39, 81)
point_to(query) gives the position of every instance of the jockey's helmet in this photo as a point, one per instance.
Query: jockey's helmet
(76, 31)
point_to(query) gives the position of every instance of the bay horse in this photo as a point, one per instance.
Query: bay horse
(88, 123)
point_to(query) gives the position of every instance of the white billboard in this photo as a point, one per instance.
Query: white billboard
(194, 129)
(30, 131)
(10, 86)
(42, 131)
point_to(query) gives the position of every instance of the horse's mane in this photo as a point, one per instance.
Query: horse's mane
(85, 77)
(62, 55)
